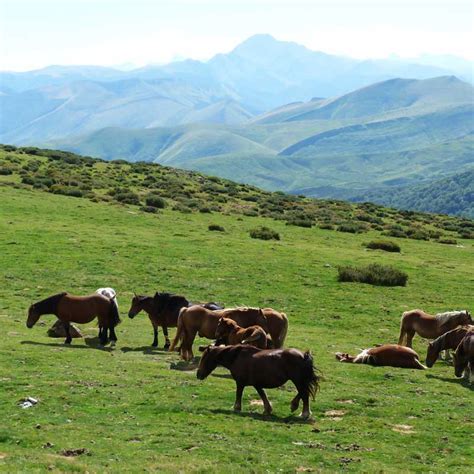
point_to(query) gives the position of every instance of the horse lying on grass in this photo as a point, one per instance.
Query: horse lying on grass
(250, 366)
(429, 326)
(388, 354)
(78, 309)
(449, 340)
(463, 358)
(163, 310)
(229, 331)
(198, 320)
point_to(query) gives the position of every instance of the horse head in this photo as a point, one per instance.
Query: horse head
(208, 362)
(431, 354)
(224, 327)
(33, 316)
(136, 305)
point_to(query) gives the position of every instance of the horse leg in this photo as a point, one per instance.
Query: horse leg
(266, 404)
(238, 397)
(113, 336)
(103, 334)
(155, 335)
(410, 336)
(67, 327)
(167, 340)
(303, 394)
(295, 402)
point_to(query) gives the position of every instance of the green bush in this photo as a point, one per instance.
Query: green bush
(216, 228)
(150, 209)
(349, 227)
(373, 274)
(264, 233)
(66, 191)
(386, 245)
(128, 197)
(448, 241)
(205, 210)
(5, 171)
(326, 226)
(152, 200)
(300, 222)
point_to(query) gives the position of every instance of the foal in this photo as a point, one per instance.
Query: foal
(261, 369)
(233, 334)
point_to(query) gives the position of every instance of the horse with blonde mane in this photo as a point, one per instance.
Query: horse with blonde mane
(428, 326)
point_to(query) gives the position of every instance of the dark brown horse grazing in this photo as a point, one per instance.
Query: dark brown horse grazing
(233, 334)
(198, 320)
(78, 309)
(463, 358)
(261, 369)
(163, 310)
(428, 326)
(449, 340)
(388, 354)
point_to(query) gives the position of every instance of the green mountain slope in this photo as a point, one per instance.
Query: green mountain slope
(452, 195)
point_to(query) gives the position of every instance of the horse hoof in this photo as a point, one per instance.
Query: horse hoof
(305, 415)
(237, 409)
(112, 344)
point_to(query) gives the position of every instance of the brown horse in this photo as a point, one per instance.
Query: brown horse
(198, 320)
(163, 310)
(250, 366)
(387, 354)
(449, 340)
(233, 334)
(463, 358)
(78, 309)
(428, 326)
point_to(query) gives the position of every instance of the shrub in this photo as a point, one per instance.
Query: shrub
(5, 171)
(465, 234)
(447, 241)
(152, 200)
(150, 209)
(395, 233)
(300, 222)
(264, 233)
(373, 274)
(128, 197)
(205, 210)
(348, 227)
(216, 228)
(326, 226)
(386, 245)
(67, 191)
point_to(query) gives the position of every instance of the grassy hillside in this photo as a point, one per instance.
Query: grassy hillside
(453, 195)
(398, 131)
(127, 407)
(120, 182)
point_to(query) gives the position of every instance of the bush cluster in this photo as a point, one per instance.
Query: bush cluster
(386, 245)
(373, 274)
(264, 233)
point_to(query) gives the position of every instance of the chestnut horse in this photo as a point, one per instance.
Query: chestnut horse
(387, 354)
(250, 366)
(449, 340)
(198, 320)
(78, 309)
(428, 326)
(229, 331)
(163, 310)
(463, 358)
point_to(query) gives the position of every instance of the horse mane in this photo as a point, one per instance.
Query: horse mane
(443, 318)
(170, 301)
(49, 305)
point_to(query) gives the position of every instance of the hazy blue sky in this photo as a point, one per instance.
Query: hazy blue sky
(35, 33)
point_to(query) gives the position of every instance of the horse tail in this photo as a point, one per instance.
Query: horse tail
(403, 332)
(180, 330)
(418, 365)
(114, 316)
(310, 378)
(282, 336)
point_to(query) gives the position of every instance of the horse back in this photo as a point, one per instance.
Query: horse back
(83, 308)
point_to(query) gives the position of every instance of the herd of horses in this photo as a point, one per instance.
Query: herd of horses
(249, 341)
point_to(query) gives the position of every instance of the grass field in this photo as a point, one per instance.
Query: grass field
(131, 411)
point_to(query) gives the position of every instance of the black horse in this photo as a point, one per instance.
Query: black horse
(163, 310)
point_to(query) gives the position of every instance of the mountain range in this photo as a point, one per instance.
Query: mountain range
(269, 113)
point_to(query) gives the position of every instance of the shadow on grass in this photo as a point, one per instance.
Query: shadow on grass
(259, 416)
(147, 350)
(222, 376)
(91, 343)
(463, 382)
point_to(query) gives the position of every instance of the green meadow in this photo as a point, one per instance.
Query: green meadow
(129, 408)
